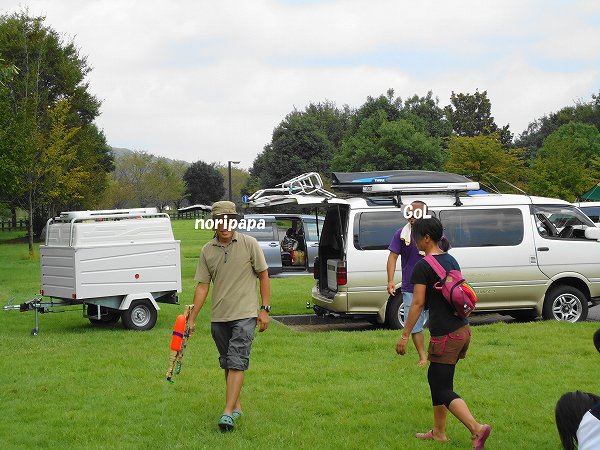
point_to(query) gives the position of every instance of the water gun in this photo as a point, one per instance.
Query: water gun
(180, 336)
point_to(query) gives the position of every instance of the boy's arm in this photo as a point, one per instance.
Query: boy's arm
(265, 296)
(199, 298)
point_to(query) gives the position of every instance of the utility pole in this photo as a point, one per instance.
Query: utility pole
(229, 163)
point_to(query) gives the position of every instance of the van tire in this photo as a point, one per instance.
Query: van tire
(140, 316)
(565, 303)
(394, 310)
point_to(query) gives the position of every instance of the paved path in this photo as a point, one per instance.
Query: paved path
(312, 323)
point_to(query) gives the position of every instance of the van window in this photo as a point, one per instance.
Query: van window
(261, 234)
(483, 227)
(312, 230)
(376, 229)
(560, 222)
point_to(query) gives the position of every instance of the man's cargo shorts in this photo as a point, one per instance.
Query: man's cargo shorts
(234, 342)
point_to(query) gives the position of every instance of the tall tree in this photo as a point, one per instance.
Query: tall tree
(49, 71)
(426, 115)
(205, 184)
(132, 171)
(538, 130)
(388, 104)
(165, 183)
(298, 145)
(471, 115)
(568, 163)
(51, 170)
(331, 120)
(482, 158)
(380, 144)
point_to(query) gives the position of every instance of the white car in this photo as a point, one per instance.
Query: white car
(591, 209)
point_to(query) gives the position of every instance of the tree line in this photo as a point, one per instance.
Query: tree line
(558, 155)
(53, 157)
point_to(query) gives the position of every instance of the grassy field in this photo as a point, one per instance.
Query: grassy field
(76, 386)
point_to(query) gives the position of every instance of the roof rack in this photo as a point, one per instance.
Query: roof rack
(308, 184)
(67, 216)
(196, 207)
(401, 181)
(391, 183)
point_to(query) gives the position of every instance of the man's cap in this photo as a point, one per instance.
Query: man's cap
(223, 208)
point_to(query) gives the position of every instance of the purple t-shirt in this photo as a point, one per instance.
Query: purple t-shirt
(409, 256)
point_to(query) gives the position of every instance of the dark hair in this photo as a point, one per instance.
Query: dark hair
(569, 411)
(434, 229)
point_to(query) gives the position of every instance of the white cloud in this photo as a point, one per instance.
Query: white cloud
(210, 80)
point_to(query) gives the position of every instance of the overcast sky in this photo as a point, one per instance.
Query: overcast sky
(209, 80)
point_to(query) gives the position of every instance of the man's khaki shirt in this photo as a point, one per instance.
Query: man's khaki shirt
(232, 268)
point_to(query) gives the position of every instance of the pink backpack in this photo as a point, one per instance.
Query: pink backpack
(454, 288)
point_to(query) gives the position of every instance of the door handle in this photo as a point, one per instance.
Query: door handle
(273, 244)
(314, 245)
(543, 249)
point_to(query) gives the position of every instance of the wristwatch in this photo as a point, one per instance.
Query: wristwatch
(266, 308)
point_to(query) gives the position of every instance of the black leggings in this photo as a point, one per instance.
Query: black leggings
(441, 383)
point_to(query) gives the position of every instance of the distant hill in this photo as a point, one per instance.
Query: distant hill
(119, 152)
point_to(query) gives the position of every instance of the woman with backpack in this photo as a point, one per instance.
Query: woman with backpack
(450, 335)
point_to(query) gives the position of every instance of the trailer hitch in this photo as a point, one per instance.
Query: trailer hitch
(35, 304)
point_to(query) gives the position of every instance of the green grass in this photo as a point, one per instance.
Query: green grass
(75, 386)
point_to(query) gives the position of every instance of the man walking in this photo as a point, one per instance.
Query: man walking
(232, 262)
(402, 244)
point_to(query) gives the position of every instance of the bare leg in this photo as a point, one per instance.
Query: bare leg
(235, 381)
(461, 411)
(419, 341)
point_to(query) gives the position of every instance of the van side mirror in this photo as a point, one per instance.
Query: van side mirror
(592, 233)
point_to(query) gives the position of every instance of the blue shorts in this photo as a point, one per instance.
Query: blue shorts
(407, 300)
(234, 342)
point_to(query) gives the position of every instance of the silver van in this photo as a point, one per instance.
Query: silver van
(525, 256)
(304, 229)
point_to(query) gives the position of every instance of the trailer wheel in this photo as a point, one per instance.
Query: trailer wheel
(140, 316)
(107, 317)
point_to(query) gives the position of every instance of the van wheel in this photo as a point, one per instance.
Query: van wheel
(140, 316)
(394, 312)
(565, 303)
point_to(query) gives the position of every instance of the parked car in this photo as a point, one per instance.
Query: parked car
(591, 209)
(525, 256)
(304, 229)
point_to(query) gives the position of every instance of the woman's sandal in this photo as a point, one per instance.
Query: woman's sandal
(237, 414)
(428, 437)
(226, 422)
(480, 438)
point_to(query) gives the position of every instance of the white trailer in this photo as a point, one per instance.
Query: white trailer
(116, 263)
